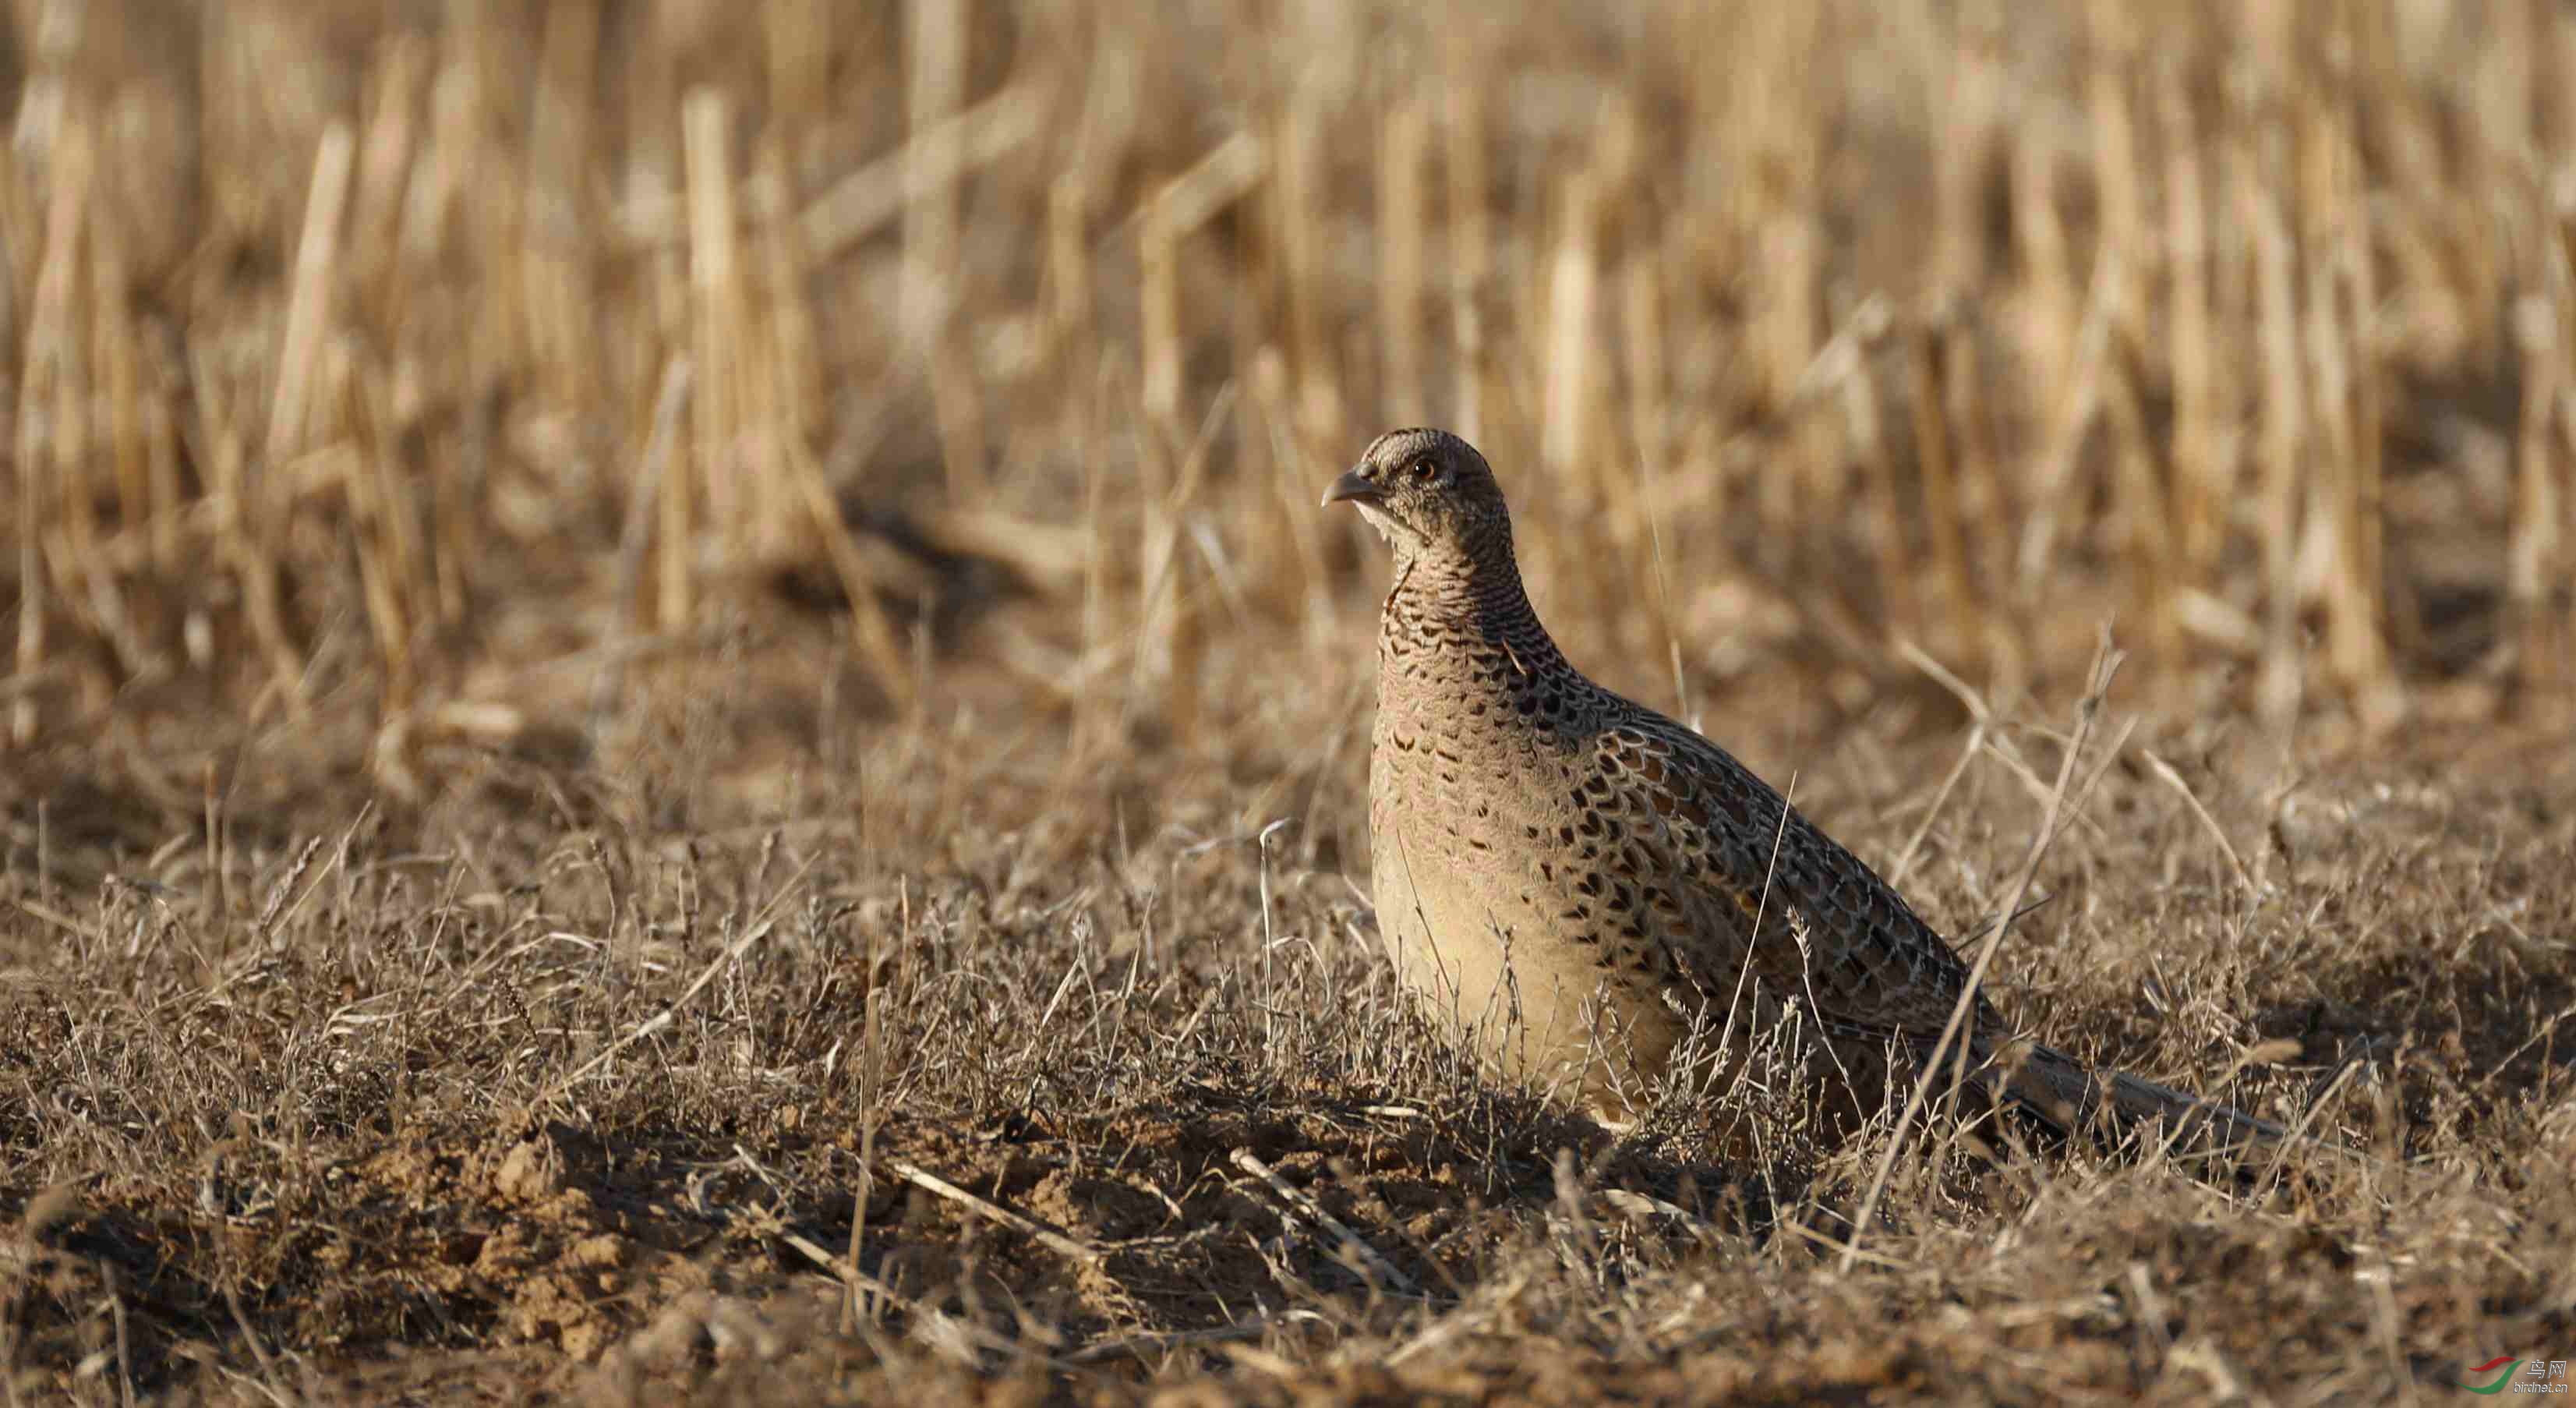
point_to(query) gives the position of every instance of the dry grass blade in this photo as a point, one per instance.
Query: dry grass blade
(1140, 1346)
(949, 1327)
(635, 536)
(1967, 754)
(1019, 1222)
(2106, 661)
(317, 257)
(660, 1021)
(1350, 1242)
(871, 197)
(56, 918)
(2165, 773)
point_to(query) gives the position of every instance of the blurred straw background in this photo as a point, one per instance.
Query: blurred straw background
(361, 358)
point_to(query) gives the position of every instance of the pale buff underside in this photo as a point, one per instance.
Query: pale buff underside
(1497, 976)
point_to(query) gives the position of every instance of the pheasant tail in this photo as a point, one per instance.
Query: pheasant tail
(2059, 1087)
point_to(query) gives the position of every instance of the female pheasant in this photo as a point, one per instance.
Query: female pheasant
(1571, 883)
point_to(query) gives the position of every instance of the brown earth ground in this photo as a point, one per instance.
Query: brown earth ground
(564, 1085)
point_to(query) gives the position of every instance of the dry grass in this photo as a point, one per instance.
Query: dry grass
(678, 728)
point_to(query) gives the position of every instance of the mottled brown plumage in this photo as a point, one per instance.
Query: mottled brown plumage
(1572, 881)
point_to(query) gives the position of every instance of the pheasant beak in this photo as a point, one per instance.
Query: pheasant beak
(1354, 484)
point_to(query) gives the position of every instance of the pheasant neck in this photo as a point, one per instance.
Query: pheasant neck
(1467, 599)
